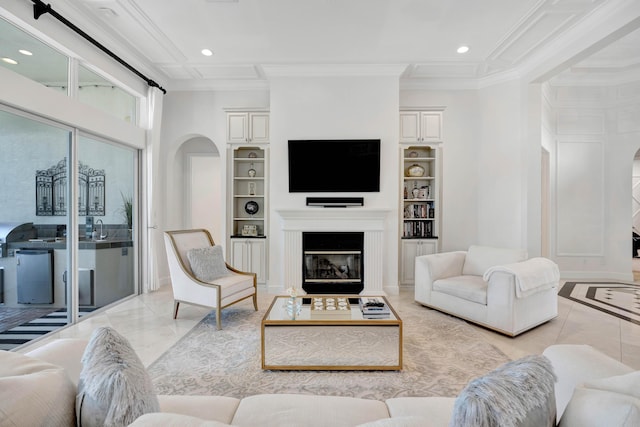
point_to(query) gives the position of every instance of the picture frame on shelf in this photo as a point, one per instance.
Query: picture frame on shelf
(250, 230)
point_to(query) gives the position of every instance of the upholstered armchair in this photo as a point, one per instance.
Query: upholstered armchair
(494, 287)
(200, 276)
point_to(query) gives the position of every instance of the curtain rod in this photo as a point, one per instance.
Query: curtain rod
(40, 8)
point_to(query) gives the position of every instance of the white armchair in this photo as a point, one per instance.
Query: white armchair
(494, 287)
(219, 293)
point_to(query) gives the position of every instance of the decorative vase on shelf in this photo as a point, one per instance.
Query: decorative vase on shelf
(415, 170)
(251, 171)
(415, 192)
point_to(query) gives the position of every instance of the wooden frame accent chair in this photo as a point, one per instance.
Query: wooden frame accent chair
(218, 293)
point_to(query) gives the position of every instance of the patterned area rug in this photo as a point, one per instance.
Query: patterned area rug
(441, 355)
(617, 299)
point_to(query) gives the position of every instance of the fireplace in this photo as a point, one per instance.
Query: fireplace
(332, 262)
(371, 222)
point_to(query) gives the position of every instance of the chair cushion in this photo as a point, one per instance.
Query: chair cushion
(613, 401)
(519, 393)
(470, 288)
(34, 392)
(480, 258)
(234, 283)
(114, 388)
(207, 263)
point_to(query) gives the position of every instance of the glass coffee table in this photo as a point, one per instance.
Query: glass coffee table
(330, 332)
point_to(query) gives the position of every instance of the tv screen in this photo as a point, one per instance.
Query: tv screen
(334, 166)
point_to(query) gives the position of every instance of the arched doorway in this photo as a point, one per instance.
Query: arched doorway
(201, 186)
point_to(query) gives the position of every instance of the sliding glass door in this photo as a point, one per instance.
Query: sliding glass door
(66, 226)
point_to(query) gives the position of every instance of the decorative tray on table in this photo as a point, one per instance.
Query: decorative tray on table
(330, 308)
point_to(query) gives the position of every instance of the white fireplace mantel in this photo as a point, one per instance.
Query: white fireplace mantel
(369, 221)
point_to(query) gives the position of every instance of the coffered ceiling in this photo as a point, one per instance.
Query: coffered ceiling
(416, 39)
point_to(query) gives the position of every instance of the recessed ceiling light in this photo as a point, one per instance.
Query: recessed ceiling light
(25, 52)
(463, 49)
(206, 52)
(10, 61)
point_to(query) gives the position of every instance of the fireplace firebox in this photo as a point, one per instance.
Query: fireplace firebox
(332, 262)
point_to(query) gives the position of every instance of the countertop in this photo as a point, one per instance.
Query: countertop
(62, 244)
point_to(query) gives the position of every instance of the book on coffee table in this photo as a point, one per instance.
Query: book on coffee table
(373, 308)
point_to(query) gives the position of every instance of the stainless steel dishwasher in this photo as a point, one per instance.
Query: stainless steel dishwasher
(35, 276)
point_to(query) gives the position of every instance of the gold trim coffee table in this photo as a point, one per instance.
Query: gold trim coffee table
(313, 340)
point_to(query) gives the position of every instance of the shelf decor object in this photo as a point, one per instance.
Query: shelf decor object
(415, 170)
(251, 207)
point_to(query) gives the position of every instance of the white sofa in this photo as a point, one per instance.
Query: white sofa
(573, 365)
(497, 288)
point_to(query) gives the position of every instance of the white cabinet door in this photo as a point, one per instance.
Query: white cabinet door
(431, 126)
(410, 126)
(410, 250)
(250, 255)
(258, 127)
(243, 128)
(237, 127)
(420, 126)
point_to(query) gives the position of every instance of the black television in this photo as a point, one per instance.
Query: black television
(334, 166)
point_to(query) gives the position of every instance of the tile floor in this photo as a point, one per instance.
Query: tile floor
(147, 323)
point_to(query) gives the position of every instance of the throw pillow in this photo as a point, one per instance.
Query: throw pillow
(207, 263)
(34, 393)
(611, 401)
(114, 388)
(519, 393)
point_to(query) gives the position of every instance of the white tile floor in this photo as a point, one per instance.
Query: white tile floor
(147, 322)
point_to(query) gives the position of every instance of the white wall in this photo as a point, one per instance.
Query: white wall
(333, 108)
(597, 136)
(501, 173)
(185, 116)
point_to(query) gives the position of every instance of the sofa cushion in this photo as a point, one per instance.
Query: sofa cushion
(174, 420)
(34, 392)
(277, 410)
(210, 408)
(207, 263)
(611, 401)
(409, 421)
(470, 288)
(480, 258)
(576, 363)
(64, 352)
(437, 410)
(519, 393)
(114, 388)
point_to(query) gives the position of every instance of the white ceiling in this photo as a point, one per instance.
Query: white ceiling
(416, 39)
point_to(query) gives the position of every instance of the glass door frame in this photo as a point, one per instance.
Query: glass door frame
(72, 217)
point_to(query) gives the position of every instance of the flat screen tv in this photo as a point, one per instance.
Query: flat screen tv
(334, 166)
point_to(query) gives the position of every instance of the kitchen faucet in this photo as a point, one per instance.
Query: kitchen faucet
(102, 235)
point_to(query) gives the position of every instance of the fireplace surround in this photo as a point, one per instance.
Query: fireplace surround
(371, 222)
